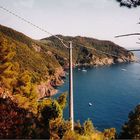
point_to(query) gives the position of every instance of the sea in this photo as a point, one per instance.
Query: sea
(112, 92)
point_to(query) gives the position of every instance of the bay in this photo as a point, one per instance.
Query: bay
(113, 90)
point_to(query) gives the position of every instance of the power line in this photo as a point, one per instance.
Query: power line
(70, 58)
(43, 30)
(70, 62)
(36, 26)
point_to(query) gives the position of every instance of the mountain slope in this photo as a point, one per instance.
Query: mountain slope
(26, 64)
(46, 58)
(89, 51)
(45, 70)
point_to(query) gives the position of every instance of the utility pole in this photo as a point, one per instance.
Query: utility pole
(71, 111)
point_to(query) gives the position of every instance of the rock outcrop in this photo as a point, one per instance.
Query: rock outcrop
(48, 88)
(107, 60)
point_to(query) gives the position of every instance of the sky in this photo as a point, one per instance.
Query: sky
(101, 19)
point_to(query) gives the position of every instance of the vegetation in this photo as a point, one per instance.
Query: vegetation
(48, 123)
(25, 63)
(15, 122)
(82, 54)
(22, 116)
(129, 3)
(37, 62)
(62, 100)
(16, 35)
(42, 57)
(131, 129)
(8, 70)
(12, 78)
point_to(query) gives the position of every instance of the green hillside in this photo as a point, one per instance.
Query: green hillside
(87, 51)
(82, 53)
(45, 59)
(39, 63)
(31, 69)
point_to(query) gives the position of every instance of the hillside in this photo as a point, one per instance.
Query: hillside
(45, 59)
(45, 70)
(88, 51)
(31, 69)
(48, 123)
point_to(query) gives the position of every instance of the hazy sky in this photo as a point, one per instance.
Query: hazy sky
(102, 19)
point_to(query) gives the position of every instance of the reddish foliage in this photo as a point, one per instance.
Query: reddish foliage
(14, 121)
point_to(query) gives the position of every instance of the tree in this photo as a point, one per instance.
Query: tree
(62, 100)
(25, 92)
(88, 127)
(78, 128)
(131, 129)
(58, 128)
(16, 122)
(50, 114)
(8, 69)
(51, 110)
(109, 134)
(129, 3)
(24, 84)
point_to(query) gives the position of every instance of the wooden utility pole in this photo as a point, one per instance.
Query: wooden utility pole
(71, 111)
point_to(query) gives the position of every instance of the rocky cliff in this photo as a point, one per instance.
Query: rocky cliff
(48, 88)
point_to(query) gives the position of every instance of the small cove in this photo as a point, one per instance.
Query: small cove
(113, 90)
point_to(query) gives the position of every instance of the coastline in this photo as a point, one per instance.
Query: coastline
(48, 89)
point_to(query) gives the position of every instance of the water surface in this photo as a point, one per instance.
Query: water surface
(113, 90)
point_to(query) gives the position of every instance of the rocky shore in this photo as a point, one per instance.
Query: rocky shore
(47, 59)
(110, 60)
(47, 89)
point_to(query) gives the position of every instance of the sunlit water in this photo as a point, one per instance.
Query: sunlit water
(113, 91)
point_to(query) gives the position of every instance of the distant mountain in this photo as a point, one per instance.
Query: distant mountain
(88, 51)
(46, 58)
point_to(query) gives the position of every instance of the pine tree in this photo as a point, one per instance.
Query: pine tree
(25, 92)
(129, 3)
(62, 100)
(8, 69)
(88, 127)
(131, 129)
(24, 84)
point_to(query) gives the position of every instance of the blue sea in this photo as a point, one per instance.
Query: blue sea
(114, 91)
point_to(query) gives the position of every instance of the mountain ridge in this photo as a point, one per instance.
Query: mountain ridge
(47, 58)
(94, 48)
